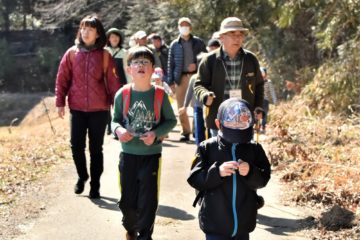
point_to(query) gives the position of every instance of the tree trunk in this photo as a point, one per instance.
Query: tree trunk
(24, 22)
(6, 22)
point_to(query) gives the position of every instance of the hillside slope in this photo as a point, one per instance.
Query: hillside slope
(61, 13)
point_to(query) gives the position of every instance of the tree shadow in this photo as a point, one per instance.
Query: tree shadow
(282, 226)
(165, 144)
(106, 203)
(15, 106)
(178, 141)
(175, 213)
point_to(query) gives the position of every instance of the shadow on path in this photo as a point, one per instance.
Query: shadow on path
(165, 144)
(175, 213)
(106, 203)
(282, 226)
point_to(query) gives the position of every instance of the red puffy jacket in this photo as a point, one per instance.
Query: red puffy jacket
(80, 77)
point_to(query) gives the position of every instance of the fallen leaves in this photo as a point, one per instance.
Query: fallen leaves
(319, 157)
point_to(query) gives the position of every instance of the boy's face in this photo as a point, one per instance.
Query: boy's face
(141, 70)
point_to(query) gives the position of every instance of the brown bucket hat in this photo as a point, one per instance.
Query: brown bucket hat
(232, 24)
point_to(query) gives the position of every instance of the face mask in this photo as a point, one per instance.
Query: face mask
(184, 31)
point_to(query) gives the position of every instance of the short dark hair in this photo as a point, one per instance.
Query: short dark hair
(138, 52)
(154, 36)
(93, 22)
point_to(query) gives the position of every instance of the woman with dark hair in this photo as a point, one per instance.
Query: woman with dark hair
(114, 42)
(87, 77)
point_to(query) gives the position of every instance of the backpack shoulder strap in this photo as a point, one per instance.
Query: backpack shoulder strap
(158, 99)
(106, 56)
(126, 98)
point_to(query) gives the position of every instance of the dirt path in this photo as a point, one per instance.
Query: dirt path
(72, 217)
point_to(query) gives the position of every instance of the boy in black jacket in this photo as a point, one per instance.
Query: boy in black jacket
(227, 170)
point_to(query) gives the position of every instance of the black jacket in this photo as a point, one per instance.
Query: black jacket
(211, 77)
(218, 207)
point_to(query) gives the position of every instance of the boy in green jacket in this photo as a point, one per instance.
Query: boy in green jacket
(142, 115)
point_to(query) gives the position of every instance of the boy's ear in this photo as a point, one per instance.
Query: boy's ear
(217, 123)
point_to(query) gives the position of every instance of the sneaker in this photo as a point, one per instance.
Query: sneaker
(184, 138)
(79, 186)
(260, 202)
(93, 194)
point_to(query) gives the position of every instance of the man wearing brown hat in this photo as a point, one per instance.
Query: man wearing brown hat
(182, 64)
(230, 71)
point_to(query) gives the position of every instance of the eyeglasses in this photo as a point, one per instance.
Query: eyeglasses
(138, 62)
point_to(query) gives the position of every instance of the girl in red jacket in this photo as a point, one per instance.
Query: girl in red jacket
(87, 77)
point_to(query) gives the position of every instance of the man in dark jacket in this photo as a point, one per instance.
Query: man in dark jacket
(226, 171)
(162, 51)
(182, 65)
(229, 71)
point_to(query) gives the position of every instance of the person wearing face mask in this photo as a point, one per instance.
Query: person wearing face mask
(181, 66)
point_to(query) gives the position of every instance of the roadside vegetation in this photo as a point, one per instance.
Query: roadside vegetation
(29, 155)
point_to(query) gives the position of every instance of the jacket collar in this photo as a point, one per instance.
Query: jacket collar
(179, 38)
(220, 53)
(223, 144)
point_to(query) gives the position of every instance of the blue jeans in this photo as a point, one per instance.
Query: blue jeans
(199, 125)
(219, 237)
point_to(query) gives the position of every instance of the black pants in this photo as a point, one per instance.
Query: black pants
(93, 123)
(244, 236)
(139, 178)
(109, 124)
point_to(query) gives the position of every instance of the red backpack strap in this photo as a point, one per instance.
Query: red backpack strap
(126, 97)
(158, 99)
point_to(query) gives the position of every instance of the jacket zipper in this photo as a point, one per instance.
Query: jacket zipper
(233, 152)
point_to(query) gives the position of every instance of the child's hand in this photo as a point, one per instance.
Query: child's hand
(228, 168)
(123, 135)
(148, 137)
(243, 168)
(182, 110)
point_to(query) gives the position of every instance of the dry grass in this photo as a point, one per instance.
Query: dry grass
(28, 151)
(318, 156)
(320, 153)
